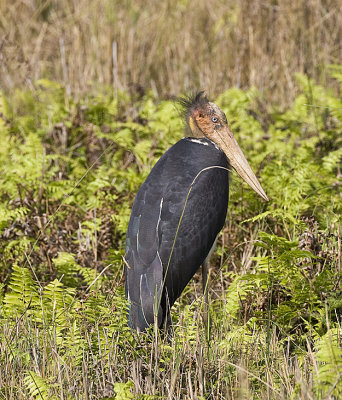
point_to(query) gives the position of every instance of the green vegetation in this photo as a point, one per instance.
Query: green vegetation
(68, 174)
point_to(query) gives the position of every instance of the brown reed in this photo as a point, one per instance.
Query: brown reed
(170, 46)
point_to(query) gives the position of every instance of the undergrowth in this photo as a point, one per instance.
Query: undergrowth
(68, 175)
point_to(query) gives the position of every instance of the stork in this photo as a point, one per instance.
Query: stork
(179, 211)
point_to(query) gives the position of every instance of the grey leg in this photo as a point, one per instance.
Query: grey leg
(205, 275)
(168, 327)
(205, 272)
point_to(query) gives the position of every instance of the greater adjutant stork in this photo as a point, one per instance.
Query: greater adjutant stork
(179, 211)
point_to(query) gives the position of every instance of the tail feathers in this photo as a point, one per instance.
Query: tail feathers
(140, 317)
(144, 287)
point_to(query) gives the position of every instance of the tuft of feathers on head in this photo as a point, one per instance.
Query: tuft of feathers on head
(190, 102)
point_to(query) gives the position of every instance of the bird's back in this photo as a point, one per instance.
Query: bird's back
(176, 216)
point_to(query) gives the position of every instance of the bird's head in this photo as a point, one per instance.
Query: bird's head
(206, 119)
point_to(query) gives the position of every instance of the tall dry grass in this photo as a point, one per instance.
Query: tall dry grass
(170, 46)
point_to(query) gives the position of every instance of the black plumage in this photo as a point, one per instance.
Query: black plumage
(154, 221)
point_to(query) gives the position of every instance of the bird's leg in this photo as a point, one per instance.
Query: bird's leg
(205, 272)
(168, 321)
(205, 283)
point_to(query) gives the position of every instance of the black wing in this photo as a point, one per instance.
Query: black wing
(161, 247)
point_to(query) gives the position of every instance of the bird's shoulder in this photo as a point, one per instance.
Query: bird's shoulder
(184, 159)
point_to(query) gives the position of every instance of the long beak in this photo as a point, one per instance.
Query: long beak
(227, 142)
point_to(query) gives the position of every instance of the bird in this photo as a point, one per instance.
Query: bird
(179, 211)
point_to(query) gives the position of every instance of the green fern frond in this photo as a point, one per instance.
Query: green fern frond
(328, 381)
(67, 268)
(123, 390)
(332, 160)
(22, 295)
(58, 302)
(38, 387)
(236, 293)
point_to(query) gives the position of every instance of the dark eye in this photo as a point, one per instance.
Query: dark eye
(214, 119)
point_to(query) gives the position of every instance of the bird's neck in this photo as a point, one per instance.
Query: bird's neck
(197, 134)
(194, 129)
